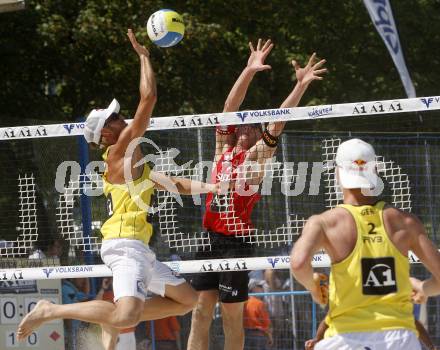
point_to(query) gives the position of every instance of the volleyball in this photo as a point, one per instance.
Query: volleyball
(165, 28)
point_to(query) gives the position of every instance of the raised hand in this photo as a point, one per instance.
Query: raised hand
(258, 55)
(310, 72)
(140, 50)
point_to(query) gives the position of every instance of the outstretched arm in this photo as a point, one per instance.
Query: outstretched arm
(266, 147)
(225, 136)
(310, 241)
(312, 71)
(255, 64)
(148, 96)
(182, 185)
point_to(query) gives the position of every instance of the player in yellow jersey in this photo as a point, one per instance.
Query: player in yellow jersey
(423, 336)
(127, 231)
(367, 241)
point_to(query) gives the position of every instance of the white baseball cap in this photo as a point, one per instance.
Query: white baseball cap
(356, 161)
(96, 119)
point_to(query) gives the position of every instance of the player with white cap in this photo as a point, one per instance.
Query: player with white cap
(356, 162)
(97, 119)
(368, 241)
(127, 231)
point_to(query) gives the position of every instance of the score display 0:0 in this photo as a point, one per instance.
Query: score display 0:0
(11, 311)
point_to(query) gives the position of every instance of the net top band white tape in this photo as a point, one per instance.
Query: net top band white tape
(191, 266)
(420, 104)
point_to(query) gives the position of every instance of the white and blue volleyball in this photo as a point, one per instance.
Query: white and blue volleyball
(165, 28)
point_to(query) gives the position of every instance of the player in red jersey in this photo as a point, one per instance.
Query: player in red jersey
(228, 216)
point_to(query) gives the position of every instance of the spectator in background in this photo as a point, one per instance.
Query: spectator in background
(52, 250)
(74, 290)
(166, 333)
(278, 310)
(256, 321)
(126, 339)
(256, 275)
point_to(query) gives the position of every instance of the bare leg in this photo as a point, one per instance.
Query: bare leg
(109, 337)
(125, 313)
(232, 314)
(178, 300)
(201, 320)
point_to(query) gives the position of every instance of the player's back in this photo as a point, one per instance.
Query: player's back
(369, 280)
(341, 231)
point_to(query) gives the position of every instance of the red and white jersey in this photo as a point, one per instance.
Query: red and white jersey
(230, 213)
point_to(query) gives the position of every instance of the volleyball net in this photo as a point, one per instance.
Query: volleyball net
(52, 205)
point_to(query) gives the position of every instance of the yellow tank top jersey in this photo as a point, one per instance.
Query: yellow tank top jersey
(128, 218)
(370, 290)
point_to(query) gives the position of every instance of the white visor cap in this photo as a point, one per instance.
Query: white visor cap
(96, 119)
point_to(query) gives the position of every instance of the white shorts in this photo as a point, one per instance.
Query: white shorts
(126, 341)
(135, 269)
(396, 339)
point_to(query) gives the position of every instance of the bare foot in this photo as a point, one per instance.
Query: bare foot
(33, 319)
(109, 337)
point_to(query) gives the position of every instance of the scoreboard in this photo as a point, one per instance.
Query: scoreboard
(17, 298)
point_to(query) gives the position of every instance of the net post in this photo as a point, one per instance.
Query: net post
(86, 207)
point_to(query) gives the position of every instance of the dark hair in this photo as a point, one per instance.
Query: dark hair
(112, 117)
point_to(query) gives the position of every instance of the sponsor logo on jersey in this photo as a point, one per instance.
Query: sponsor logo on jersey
(378, 276)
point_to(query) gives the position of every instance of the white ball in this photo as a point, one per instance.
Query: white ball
(165, 28)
